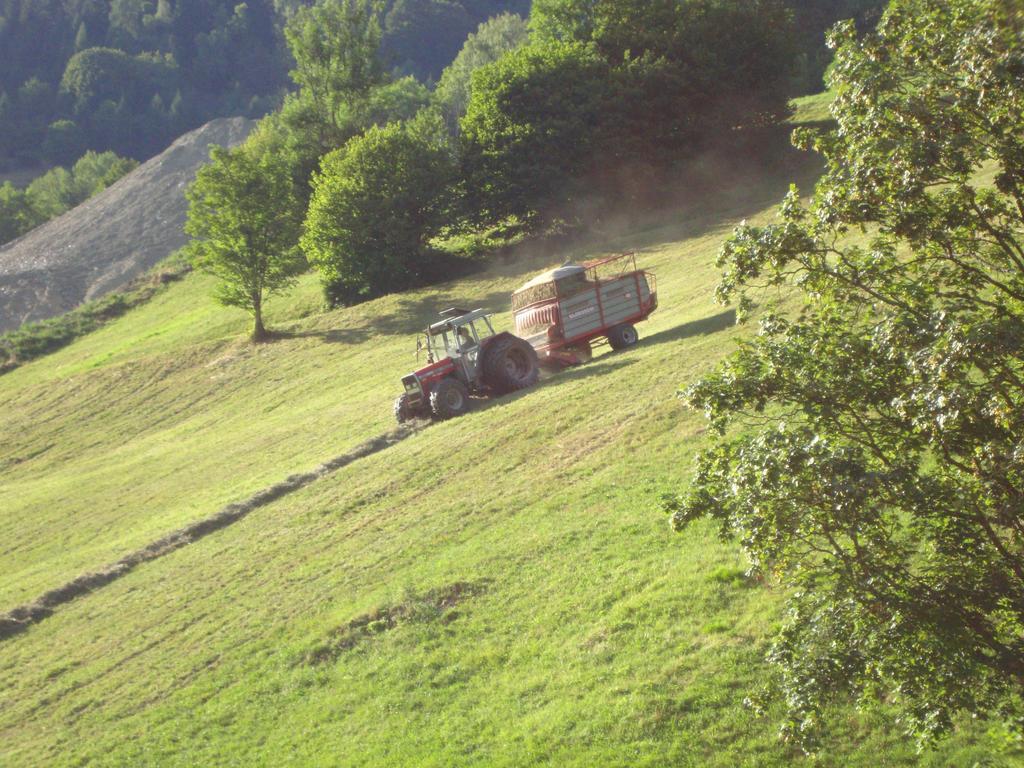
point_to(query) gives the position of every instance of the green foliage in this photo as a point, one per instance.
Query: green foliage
(17, 214)
(216, 58)
(64, 142)
(529, 128)
(397, 100)
(244, 217)
(336, 46)
(61, 189)
(298, 134)
(492, 40)
(676, 29)
(95, 171)
(376, 204)
(813, 18)
(53, 193)
(421, 37)
(202, 58)
(82, 37)
(619, 90)
(735, 55)
(96, 74)
(56, 191)
(118, 100)
(880, 473)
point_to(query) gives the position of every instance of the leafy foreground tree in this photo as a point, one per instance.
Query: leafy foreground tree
(376, 204)
(244, 217)
(872, 446)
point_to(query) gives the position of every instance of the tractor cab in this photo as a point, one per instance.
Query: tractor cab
(460, 336)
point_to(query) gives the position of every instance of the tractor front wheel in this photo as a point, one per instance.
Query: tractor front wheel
(510, 364)
(449, 398)
(403, 409)
(622, 336)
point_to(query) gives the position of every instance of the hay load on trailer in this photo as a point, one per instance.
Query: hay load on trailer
(565, 312)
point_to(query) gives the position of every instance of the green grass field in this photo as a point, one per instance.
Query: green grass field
(813, 109)
(501, 589)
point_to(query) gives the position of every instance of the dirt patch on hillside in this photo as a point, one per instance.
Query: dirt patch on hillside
(435, 605)
(111, 238)
(22, 617)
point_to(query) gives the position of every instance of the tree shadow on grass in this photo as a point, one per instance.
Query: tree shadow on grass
(414, 314)
(328, 335)
(557, 379)
(410, 317)
(703, 327)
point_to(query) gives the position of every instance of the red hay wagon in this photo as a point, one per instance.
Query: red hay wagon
(565, 312)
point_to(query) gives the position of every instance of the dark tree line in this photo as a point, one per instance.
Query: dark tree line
(131, 75)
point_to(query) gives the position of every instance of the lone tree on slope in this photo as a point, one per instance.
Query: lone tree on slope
(244, 217)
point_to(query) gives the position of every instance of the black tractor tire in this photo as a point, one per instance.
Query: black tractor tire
(403, 409)
(510, 364)
(449, 398)
(622, 336)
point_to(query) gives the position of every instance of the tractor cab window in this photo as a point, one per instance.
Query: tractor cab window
(438, 345)
(466, 338)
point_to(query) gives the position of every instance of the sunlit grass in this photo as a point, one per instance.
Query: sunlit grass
(310, 633)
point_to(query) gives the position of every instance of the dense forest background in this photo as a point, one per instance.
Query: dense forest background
(131, 75)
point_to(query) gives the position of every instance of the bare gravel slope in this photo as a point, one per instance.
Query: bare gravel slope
(109, 239)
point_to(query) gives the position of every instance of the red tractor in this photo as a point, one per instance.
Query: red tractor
(464, 356)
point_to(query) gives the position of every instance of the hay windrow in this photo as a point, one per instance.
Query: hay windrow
(22, 617)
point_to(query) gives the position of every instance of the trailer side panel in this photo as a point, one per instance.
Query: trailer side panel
(603, 305)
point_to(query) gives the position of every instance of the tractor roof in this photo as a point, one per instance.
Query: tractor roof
(452, 321)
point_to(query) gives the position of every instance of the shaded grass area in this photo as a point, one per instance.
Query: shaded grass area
(813, 110)
(497, 590)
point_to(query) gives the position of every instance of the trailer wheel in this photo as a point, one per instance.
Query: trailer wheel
(510, 364)
(449, 399)
(622, 336)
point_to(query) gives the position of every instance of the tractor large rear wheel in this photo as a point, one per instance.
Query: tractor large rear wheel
(510, 364)
(449, 399)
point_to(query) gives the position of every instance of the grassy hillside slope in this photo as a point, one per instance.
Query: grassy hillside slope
(496, 590)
